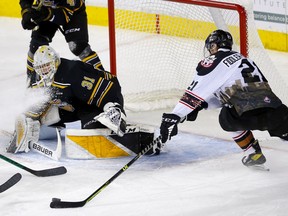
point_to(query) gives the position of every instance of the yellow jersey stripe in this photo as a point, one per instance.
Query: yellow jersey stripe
(104, 93)
(89, 57)
(95, 90)
(60, 85)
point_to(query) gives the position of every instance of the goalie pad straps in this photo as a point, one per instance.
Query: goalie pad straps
(26, 131)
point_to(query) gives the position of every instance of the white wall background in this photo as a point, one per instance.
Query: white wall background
(270, 15)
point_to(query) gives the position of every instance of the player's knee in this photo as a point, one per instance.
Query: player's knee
(80, 49)
(86, 54)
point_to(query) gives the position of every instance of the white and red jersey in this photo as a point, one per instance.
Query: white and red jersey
(230, 77)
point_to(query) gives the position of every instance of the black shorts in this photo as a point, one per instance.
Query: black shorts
(274, 120)
(75, 30)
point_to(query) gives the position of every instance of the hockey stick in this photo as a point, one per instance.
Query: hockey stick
(10, 182)
(47, 152)
(40, 173)
(57, 203)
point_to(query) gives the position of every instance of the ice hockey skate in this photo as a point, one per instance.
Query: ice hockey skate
(113, 118)
(255, 161)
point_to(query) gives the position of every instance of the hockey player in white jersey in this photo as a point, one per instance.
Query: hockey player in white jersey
(247, 101)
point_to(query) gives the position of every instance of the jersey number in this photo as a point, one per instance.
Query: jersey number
(88, 82)
(192, 86)
(248, 70)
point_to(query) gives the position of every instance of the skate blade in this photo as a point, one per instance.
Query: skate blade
(259, 167)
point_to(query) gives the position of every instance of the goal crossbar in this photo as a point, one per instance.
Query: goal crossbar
(207, 3)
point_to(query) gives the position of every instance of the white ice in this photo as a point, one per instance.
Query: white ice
(199, 172)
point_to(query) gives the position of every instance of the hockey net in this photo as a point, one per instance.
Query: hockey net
(158, 44)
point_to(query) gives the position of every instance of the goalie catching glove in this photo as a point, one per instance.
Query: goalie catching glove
(113, 118)
(26, 131)
(168, 126)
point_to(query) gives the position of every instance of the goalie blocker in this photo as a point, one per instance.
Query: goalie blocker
(104, 143)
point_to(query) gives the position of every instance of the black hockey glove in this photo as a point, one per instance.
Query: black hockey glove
(27, 19)
(44, 14)
(168, 126)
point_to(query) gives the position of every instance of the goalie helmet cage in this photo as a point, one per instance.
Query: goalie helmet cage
(155, 46)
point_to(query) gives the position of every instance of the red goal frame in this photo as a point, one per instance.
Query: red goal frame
(243, 28)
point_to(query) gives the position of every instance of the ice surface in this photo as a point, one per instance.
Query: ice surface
(198, 173)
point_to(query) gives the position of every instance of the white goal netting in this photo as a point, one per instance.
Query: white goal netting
(159, 43)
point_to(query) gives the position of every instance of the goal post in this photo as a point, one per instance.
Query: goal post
(155, 45)
(214, 7)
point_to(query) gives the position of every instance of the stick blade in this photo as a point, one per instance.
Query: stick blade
(10, 182)
(57, 203)
(51, 172)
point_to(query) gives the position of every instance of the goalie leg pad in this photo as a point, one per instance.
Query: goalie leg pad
(103, 143)
(26, 131)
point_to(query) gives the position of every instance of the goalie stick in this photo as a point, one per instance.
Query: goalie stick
(47, 152)
(40, 173)
(10, 182)
(57, 203)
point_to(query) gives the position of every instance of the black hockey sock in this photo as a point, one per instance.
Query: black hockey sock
(256, 146)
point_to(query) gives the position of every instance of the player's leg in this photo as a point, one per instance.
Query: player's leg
(240, 128)
(246, 141)
(86, 116)
(76, 35)
(280, 127)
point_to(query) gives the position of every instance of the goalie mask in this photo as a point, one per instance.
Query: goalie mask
(46, 62)
(222, 39)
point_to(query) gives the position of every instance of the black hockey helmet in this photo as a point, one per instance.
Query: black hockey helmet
(223, 39)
